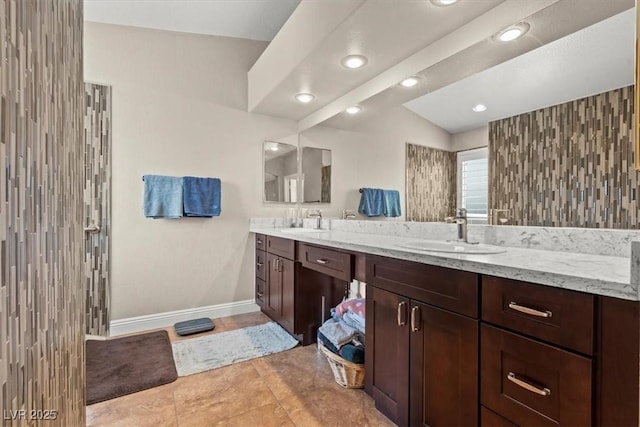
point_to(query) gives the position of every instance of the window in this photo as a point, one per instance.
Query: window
(473, 177)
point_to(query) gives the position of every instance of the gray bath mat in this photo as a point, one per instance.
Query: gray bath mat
(224, 348)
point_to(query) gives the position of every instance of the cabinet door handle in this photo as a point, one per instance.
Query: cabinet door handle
(416, 319)
(401, 314)
(530, 311)
(275, 264)
(525, 385)
(259, 242)
(322, 261)
(260, 294)
(259, 264)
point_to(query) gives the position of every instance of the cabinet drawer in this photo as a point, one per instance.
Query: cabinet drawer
(260, 288)
(284, 247)
(531, 383)
(559, 316)
(261, 242)
(327, 261)
(261, 265)
(453, 290)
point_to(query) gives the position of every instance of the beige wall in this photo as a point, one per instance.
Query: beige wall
(179, 108)
(471, 139)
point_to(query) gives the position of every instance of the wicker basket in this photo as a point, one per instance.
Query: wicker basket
(347, 374)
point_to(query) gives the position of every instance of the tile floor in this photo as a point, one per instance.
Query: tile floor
(293, 388)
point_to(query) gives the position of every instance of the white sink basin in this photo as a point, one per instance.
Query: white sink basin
(452, 247)
(302, 230)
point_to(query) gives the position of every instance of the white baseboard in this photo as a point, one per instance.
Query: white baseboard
(163, 320)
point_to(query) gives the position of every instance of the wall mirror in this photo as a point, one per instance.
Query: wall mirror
(316, 175)
(565, 172)
(280, 172)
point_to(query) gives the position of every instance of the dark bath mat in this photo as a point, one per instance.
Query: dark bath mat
(120, 366)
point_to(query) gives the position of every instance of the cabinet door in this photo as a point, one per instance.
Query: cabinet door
(387, 361)
(287, 289)
(444, 368)
(273, 293)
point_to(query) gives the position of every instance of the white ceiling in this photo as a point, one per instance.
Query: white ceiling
(248, 19)
(454, 53)
(594, 60)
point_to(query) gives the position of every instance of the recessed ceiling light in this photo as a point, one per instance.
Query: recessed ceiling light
(305, 97)
(479, 108)
(514, 32)
(353, 110)
(410, 81)
(444, 2)
(354, 61)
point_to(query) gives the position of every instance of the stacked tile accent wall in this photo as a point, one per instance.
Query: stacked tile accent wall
(570, 165)
(97, 211)
(431, 183)
(41, 237)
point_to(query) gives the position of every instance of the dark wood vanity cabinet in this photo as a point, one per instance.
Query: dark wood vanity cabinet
(422, 358)
(297, 284)
(448, 347)
(556, 357)
(260, 269)
(279, 292)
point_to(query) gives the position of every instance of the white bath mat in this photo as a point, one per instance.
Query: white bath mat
(224, 348)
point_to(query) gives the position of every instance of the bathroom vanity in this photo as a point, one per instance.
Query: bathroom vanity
(525, 337)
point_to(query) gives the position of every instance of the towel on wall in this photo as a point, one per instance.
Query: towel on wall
(201, 196)
(162, 196)
(391, 203)
(372, 202)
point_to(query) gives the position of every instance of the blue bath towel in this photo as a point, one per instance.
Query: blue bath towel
(201, 196)
(391, 203)
(372, 202)
(162, 196)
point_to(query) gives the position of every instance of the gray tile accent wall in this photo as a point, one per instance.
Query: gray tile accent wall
(570, 165)
(97, 211)
(431, 183)
(41, 239)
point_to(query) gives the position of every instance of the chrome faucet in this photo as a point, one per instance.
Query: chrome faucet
(461, 224)
(318, 215)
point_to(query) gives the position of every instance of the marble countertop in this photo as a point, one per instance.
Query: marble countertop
(595, 274)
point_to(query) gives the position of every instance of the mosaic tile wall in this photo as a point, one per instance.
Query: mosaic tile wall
(431, 183)
(570, 165)
(97, 210)
(41, 239)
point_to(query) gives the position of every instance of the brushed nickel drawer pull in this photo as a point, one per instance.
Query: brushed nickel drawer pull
(401, 318)
(322, 261)
(525, 385)
(259, 242)
(415, 324)
(531, 311)
(259, 264)
(260, 294)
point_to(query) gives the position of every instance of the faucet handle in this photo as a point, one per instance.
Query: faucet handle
(347, 213)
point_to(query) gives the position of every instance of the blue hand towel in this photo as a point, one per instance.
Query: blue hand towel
(391, 203)
(162, 196)
(372, 202)
(201, 196)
